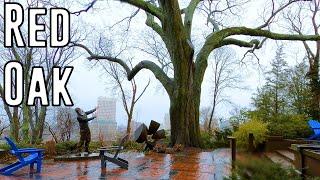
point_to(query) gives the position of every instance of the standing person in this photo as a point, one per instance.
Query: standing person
(85, 135)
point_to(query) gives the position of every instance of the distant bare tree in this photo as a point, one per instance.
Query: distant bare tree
(33, 117)
(63, 124)
(3, 127)
(205, 113)
(173, 22)
(129, 95)
(298, 19)
(224, 78)
(53, 130)
(66, 122)
(127, 90)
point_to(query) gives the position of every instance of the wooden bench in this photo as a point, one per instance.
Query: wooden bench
(106, 155)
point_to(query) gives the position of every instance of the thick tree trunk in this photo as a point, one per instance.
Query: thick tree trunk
(15, 124)
(14, 129)
(129, 126)
(184, 118)
(40, 124)
(34, 134)
(25, 123)
(211, 115)
(26, 110)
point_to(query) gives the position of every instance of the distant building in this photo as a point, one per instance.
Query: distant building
(105, 126)
(134, 125)
(224, 124)
(166, 123)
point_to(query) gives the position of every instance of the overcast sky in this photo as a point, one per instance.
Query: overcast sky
(88, 81)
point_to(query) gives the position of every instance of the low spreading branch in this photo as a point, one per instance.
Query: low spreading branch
(215, 39)
(240, 43)
(145, 64)
(220, 38)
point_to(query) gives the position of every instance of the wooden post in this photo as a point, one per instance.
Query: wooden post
(302, 164)
(251, 141)
(233, 150)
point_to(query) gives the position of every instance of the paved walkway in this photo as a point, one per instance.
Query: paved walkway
(191, 164)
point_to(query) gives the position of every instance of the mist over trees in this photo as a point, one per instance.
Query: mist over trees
(286, 90)
(284, 101)
(28, 122)
(172, 21)
(176, 43)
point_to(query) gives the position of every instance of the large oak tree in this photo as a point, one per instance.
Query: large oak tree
(174, 25)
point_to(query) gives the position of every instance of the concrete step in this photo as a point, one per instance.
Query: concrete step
(276, 158)
(288, 155)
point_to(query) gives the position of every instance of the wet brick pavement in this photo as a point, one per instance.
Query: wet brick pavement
(190, 164)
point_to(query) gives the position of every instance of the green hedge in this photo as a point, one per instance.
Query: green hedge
(254, 126)
(290, 127)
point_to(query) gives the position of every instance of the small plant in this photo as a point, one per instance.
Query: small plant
(50, 148)
(132, 145)
(262, 169)
(216, 139)
(65, 147)
(102, 140)
(4, 146)
(221, 137)
(166, 140)
(254, 126)
(94, 145)
(207, 140)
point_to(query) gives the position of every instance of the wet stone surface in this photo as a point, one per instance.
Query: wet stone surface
(78, 157)
(190, 164)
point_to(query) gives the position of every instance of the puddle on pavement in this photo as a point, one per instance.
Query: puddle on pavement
(189, 164)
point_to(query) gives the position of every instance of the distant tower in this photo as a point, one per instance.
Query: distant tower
(105, 126)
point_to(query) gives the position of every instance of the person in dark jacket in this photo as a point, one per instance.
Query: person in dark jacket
(85, 135)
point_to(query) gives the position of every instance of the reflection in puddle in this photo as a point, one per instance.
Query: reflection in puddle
(190, 164)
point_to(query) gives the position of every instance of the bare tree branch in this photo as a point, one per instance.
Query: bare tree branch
(142, 92)
(146, 6)
(89, 6)
(189, 12)
(214, 40)
(129, 18)
(157, 71)
(276, 11)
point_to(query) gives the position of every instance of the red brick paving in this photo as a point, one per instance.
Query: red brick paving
(190, 164)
